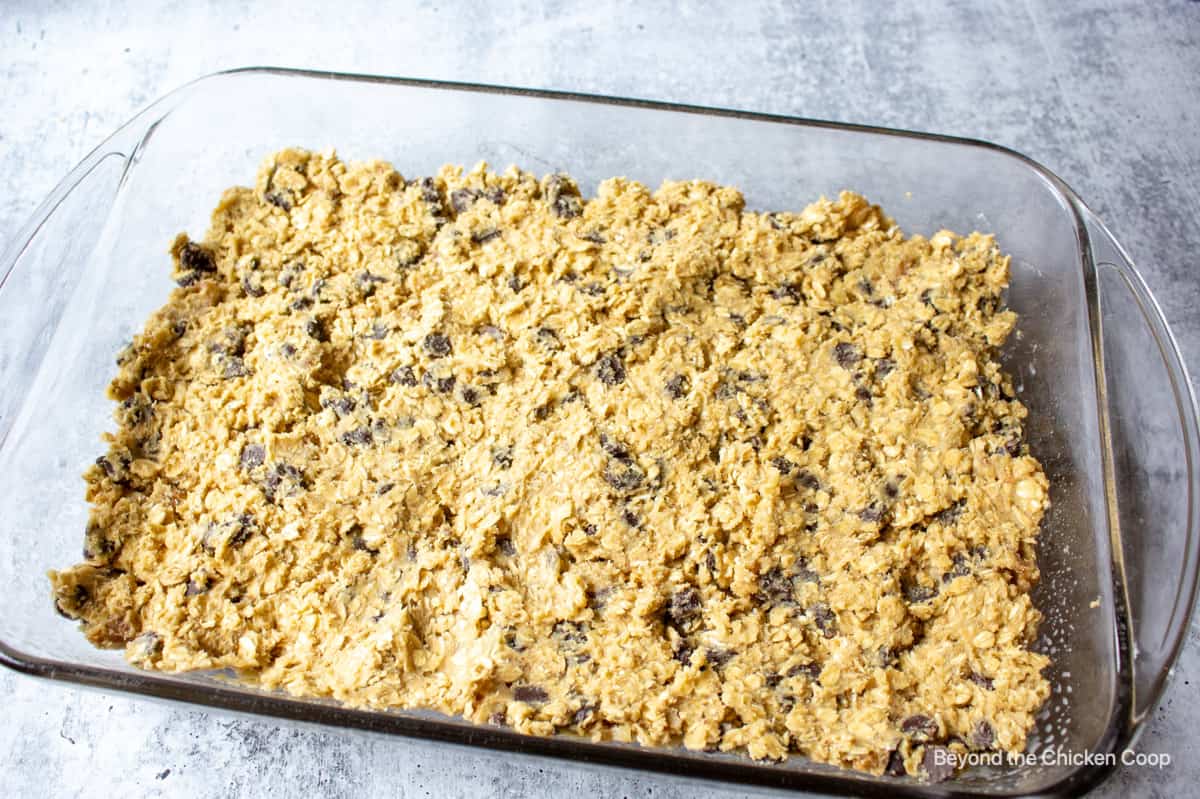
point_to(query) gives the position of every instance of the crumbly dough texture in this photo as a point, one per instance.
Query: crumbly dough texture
(646, 467)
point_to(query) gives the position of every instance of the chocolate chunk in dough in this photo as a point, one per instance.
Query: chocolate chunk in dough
(938, 763)
(530, 694)
(437, 345)
(610, 370)
(847, 355)
(919, 727)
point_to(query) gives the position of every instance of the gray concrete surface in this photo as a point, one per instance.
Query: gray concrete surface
(1104, 92)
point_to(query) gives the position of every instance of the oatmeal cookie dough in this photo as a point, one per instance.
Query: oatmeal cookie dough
(646, 467)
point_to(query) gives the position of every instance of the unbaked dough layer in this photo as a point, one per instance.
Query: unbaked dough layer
(644, 467)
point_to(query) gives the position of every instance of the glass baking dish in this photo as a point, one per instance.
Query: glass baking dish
(1113, 418)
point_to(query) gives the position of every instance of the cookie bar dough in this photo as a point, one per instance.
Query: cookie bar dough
(643, 467)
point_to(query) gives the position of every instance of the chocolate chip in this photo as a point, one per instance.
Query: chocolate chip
(485, 234)
(495, 195)
(241, 528)
(146, 646)
(806, 479)
(583, 715)
(341, 405)
(444, 385)
(610, 370)
(788, 291)
(497, 718)
(462, 199)
(437, 345)
(629, 478)
(530, 694)
(317, 329)
(630, 518)
(195, 258)
(917, 593)
(982, 735)
(470, 395)
(505, 545)
(502, 457)
(678, 386)
(718, 657)
(380, 429)
(409, 254)
(563, 196)
(359, 543)
(78, 597)
(569, 634)
(288, 275)
(253, 456)
(515, 283)
(360, 436)
(403, 376)
(810, 670)
(234, 531)
(279, 199)
(682, 652)
(949, 515)
(197, 585)
(282, 476)
(782, 464)
(938, 763)
(512, 642)
(919, 727)
(234, 367)
(895, 765)
(547, 337)
(873, 513)
(981, 680)
(115, 466)
(825, 619)
(683, 609)
(383, 489)
(803, 573)
(431, 194)
(366, 282)
(727, 389)
(846, 355)
(96, 545)
(615, 449)
(961, 567)
(1013, 447)
(252, 287)
(775, 588)
(135, 409)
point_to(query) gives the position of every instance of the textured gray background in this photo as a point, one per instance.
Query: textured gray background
(1105, 93)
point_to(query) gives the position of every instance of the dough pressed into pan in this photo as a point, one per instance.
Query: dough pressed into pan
(642, 467)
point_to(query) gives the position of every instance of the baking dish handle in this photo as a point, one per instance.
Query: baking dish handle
(44, 262)
(1155, 446)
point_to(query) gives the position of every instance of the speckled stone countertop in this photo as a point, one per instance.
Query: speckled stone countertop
(1105, 93)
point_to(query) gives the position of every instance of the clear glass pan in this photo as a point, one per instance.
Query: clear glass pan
(1112, 415)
